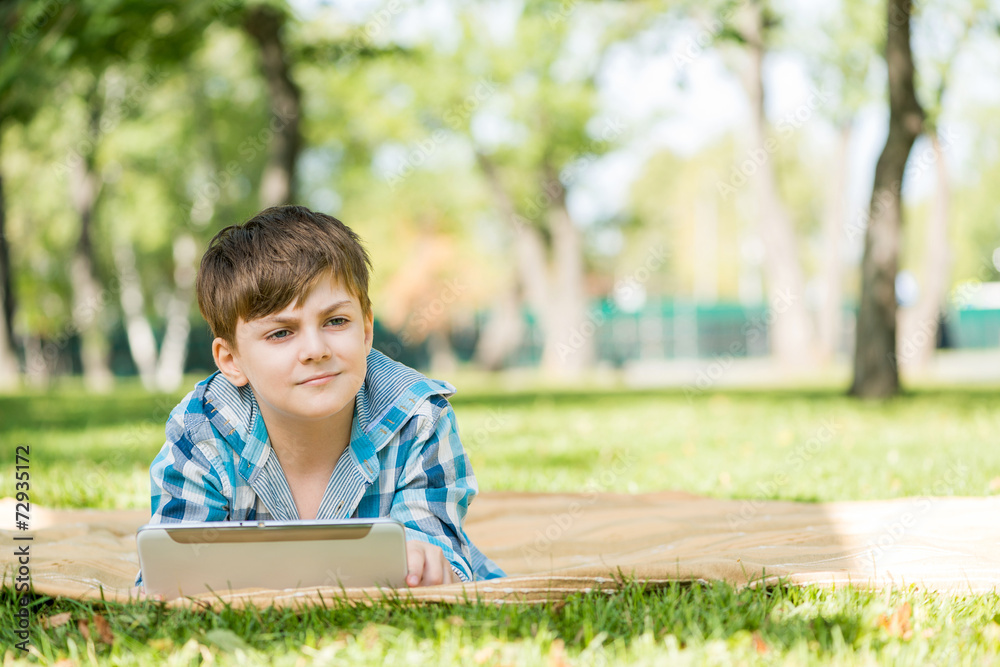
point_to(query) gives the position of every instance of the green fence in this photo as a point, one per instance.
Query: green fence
(972, 327)
(668, 329)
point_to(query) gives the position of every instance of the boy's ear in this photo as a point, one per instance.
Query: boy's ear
(227, 362)
(369, 330)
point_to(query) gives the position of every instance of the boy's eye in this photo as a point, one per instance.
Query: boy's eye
(337, 321)
(277, 335)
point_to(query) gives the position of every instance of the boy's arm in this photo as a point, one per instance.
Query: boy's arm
(184, 486)
(434, 492)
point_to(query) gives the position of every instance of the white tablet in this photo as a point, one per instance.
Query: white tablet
(180, 559)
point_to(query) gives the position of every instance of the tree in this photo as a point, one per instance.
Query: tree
(875, 369)
(555, 134)
(842, 67)
(8, 358)
(21, 85)
(919, 325)
(792, 331)
(79, 46)
(264, 23)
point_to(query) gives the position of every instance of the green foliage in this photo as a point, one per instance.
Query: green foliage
(392, 129)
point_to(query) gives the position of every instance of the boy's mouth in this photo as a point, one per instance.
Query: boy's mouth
(321, 378)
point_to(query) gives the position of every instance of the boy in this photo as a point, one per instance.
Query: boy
(303, 419)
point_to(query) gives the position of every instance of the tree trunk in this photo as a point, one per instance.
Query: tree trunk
(138, 330)
(875, 372)
(163, 369)
(528, 245)
(173, 350)
(919, 327)
(569, 340)
(792, 331)
(831, 321)
(443, 360)
(706, 249)
(553, 289)
(36, 367)
(502, 332)
(277, 186)
(89, 296)
(8, 358)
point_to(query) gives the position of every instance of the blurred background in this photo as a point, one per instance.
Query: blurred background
(644, 193)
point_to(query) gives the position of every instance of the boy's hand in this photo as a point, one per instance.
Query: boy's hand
(139, 593)
(426, 565)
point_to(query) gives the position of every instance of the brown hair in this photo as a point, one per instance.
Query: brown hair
(259, 267)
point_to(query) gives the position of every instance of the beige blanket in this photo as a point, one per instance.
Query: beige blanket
(552, 545)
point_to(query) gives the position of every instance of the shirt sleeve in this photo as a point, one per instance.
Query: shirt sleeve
(435, 490)
(184, 486)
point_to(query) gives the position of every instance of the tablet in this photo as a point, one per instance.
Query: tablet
(179, 559)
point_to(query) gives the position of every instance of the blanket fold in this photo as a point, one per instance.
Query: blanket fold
(553, 545)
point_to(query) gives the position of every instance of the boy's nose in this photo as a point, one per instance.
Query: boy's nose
(314, 347)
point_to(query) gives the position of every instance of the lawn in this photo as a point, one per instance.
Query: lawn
(94, 452)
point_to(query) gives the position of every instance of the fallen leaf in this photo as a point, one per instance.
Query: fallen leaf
(103, 630)
(207, 657)
(84, 629)
(758, 643)
(483, 654)
(161, 644)
(225, 640)
(557, 654)
(56, 620)
(897, 624)
(368, 637)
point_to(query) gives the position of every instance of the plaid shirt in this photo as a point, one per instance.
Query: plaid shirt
(405, 461)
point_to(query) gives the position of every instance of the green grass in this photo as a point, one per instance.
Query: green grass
(676, 624)
(94, 451)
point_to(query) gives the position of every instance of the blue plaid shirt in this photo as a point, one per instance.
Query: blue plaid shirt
(405, 461)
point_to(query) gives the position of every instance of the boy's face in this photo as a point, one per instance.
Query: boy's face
(305, 363)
